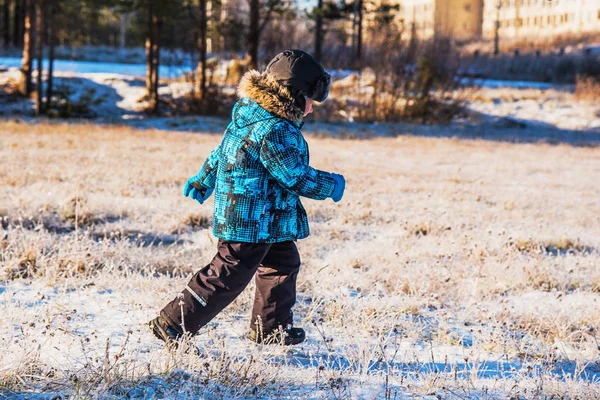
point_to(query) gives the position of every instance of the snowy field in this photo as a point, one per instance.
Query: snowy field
(453, 268)
(497, 110)
(94, 67)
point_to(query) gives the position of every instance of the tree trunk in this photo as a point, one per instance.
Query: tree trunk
(412, 44)
(39, 103)
(201, 71)
(497, 29)
(153, 95)
(354, 23)
(319, 30)
(214, 21)
(123, 31)
(149, 53)
(18, 15)
(148, 62)
(360, 31)
(51, 39)
(253, 35)
(28, 45)
(6, 24)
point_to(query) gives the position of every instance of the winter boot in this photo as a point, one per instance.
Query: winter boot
(287, 337)
(165, 332)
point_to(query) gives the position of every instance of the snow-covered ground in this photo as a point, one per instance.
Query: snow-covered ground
(495, 112)
(496, 84)
(451, 269)
(96, 67)
(553, 107)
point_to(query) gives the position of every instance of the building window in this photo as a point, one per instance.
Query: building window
(467, 7)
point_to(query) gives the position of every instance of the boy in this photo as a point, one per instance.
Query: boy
(257, 173)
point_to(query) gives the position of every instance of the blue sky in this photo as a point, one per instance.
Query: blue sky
(304, 4)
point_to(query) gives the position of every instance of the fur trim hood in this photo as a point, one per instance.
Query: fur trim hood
(270, 95)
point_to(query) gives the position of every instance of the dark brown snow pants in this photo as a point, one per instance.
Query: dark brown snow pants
(215, 286)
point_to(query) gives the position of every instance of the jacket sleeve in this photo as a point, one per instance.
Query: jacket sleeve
(282, 157)
(207, 175)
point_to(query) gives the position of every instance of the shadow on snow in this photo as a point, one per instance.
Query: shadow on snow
(482, 369)
(491, 128)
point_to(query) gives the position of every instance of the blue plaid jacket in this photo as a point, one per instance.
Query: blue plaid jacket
(258, 173)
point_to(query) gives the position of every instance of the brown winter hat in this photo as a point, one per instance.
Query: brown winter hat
(300, 71)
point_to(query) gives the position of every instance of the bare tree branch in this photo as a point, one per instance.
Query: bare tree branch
(271, 4)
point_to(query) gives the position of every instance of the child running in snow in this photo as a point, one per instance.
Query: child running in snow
(257, 173)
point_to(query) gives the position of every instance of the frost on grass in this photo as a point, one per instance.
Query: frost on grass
(451, 268)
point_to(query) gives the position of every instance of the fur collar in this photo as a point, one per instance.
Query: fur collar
(270, 95)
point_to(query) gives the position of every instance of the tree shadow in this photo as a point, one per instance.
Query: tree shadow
(74, 99)
(180, 381)
(102, 103)
(493, 128)
(486, 369)
(93, 226)
(91, 99)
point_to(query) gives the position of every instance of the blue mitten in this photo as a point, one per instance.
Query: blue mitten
(338, 189)
(197, 191)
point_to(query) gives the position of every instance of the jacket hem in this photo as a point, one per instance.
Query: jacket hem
(278, 239)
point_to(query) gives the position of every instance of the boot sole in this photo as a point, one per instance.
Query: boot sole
(172, 344)
(274, 339)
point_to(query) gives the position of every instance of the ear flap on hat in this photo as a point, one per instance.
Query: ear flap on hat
(299, 98)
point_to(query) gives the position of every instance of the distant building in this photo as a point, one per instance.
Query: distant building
(461, 19)
(417, 16)
(531, 19)
(475, 19)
